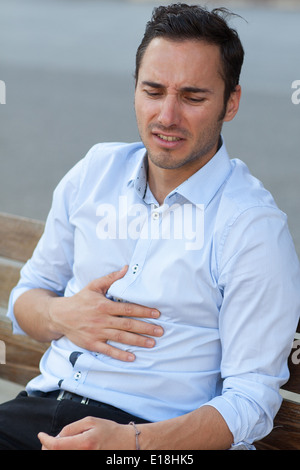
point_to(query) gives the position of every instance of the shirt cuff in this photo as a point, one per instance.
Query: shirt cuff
(15, 294)
(240, 418)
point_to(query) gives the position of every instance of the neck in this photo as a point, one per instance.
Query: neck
(164, 180)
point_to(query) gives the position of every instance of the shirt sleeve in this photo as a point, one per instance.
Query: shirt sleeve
(52, 261)
(260, 279)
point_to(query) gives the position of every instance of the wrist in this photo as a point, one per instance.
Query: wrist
(54, 324)
(137, 432)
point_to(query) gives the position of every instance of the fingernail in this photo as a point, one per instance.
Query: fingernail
(150, 343)
(155, 313)
(158, 331)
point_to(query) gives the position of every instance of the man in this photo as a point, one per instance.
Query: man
(166, 279)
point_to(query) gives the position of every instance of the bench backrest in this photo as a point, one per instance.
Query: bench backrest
(18, 238)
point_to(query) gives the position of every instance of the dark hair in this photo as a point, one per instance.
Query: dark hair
(179, 22)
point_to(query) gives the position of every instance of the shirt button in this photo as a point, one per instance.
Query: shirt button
(155, 215)
(77, 375)
(135, 268)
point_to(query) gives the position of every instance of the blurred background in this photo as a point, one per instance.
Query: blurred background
(68, 68)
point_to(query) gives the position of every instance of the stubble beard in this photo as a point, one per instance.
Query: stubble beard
(202, 152)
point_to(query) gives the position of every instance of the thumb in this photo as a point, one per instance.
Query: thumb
(102, 284)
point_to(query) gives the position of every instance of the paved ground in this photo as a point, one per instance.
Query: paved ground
(68, 66)
(8, 390)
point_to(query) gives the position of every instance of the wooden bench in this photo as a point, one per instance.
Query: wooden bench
(286, 432)
(18, 237)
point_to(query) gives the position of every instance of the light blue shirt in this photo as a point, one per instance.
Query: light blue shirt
(216, 259)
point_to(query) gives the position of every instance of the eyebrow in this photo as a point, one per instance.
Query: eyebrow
(187, 89)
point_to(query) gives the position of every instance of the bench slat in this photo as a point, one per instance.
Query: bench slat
(23, 355)
(19, 236)
(9, 277)
(18, 374)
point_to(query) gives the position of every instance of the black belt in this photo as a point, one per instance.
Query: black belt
(64, 395)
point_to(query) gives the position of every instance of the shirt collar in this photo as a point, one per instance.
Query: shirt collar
(138, 176)
(200, 188)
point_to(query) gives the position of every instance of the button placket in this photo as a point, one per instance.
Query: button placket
(77, 375)
(135, 269)
(142, 246)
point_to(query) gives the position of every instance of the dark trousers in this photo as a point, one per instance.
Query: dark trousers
(24, 417)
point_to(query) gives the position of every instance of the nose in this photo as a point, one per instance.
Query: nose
(169, 111)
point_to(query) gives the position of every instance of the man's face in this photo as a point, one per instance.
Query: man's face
(179, 102)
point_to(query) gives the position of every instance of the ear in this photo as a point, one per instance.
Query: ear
(233, 104)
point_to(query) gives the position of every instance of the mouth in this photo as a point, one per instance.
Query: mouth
(167, 141)
(168, 138)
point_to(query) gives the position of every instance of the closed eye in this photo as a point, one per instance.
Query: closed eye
(153, 94)
(195, 100)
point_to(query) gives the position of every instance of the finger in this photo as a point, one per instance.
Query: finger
(77, 427)
(66, 437)
(46, 441)
(120, 354)
(115, 353)
(138, 327)
(127, 309)
(74, 436)
(60, 443)
(102, 284)
(131, 339)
